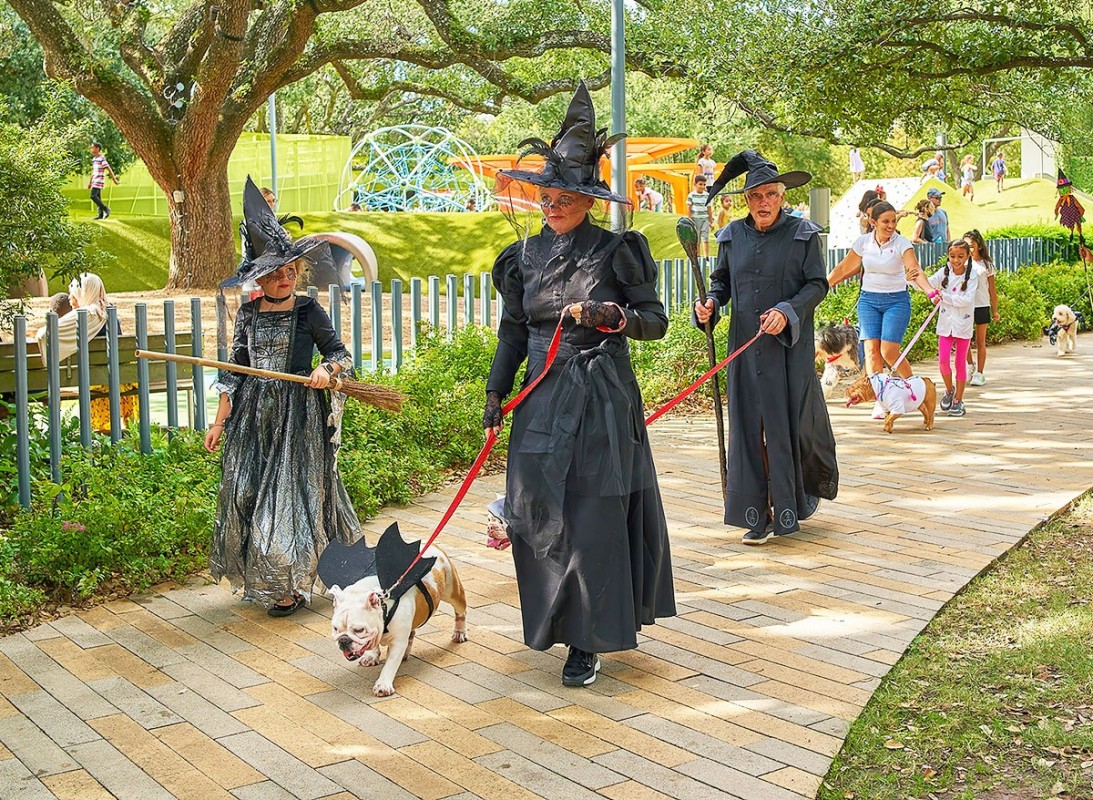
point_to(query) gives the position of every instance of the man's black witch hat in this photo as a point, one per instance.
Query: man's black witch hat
(571, 161)
(273, 247)
(759, 171)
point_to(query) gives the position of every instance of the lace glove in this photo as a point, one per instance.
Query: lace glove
(594, 314)
(491, 417)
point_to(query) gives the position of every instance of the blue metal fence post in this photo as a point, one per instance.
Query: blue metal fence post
(53, 373)
(112, 377)
(668, 275)
(453, 298)
(434, 302)
(468, 299)
(142, 381)
(376, 302)
(22, 412)
(485, 288)
(198, 372)
(415, 311)
(336, 308)
(358, 324)
(396, 324)
(169, 346)
(83, 377)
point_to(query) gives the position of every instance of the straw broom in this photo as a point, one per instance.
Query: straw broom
(370, 393)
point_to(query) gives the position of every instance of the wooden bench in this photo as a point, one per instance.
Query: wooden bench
(98, 375)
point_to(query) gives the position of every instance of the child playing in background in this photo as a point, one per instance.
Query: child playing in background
(705, 165)
(967, 177)
(648, 199)
(986, 301)
(998, 169)
(956, 282)
(724, 214)
(700, 210)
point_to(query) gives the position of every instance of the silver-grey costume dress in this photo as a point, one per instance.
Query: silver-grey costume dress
(589, 537)
(281, 496)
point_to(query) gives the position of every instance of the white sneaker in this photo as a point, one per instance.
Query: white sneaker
(878, 411)
(978, 379)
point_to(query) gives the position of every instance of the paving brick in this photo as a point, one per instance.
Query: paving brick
(549, 755)
(291, 677)
(632, 790)
(145, 647)
(365, 718)
(120, 776)
(266, 790)
(757, 701)
(787, 753)
(197, 710)
(629, 736)
(58, 723)
(300, 742)
(161, 606)
(284, 769)
(139, 705)
(462, 771)
(535, 778)
(212, 758)
(741, 784)
(59, 682)
(511, 687)
(362, 781)
(18, 783)
(80, 632)
(436, 727)
(208, 632)
(13, 680)
(796, 781)
(698, 743)
(80, 663)
(129, 666)
(75, 785)
(33, 748)
(663, 780)
(210, 686)
(42, 632)
(223, 666)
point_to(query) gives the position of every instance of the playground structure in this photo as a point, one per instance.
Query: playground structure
(643, 156)
(412, 168)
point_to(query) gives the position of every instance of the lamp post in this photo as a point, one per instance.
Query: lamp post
(273, 145)
(618, 111)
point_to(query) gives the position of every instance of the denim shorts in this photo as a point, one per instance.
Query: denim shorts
(884, 315)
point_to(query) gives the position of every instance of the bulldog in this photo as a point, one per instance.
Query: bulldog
(364, 619)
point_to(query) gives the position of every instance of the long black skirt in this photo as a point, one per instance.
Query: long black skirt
(609, 570)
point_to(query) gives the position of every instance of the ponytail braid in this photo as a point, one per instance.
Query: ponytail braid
(945, 280)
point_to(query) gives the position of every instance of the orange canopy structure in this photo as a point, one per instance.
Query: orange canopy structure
(643, 156)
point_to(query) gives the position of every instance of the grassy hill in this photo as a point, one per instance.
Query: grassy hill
(406, 245)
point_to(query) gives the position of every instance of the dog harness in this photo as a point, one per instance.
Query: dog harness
(389, 615)
(898, 395)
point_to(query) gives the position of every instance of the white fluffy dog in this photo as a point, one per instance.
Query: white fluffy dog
(1067, 337)
(837, 345)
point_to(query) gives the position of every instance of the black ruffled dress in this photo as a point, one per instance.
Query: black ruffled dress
(589, 537)
(281, 496)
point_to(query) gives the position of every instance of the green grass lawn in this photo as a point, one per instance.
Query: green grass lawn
(406, 245)
(995, 698)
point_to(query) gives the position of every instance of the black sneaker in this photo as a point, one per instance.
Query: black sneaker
(580, 668)
(107, 214)
(758, 537)
(957, 410)
(947, 400)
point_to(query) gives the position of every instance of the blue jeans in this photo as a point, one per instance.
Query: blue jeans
(884, 315)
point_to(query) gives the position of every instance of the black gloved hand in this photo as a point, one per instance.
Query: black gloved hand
(491, 417)
(595, 314)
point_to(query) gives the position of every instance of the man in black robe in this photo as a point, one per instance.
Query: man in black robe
(781, 457)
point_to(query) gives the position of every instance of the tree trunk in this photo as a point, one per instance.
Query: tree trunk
(202, 235)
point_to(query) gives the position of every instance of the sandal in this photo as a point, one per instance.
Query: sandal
(278, 610)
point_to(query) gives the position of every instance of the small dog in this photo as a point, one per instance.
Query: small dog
(1065, 323)
(359, 626)
(897, 395)
(837, 345)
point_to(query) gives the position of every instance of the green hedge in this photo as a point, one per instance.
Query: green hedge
(123, 521)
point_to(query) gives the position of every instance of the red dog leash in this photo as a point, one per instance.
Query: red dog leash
(491, 437)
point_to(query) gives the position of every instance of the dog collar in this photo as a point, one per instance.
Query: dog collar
(389, 615)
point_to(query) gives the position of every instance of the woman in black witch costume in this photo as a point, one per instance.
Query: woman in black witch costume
(281, 497)
(589, 538)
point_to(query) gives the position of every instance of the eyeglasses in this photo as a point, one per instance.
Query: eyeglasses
(755, 197)
(563, 203)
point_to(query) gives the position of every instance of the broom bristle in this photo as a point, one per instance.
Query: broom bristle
(374, 395)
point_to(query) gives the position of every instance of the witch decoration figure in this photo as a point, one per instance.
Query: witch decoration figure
(1070, 212)
(583, 509)
(281, 497)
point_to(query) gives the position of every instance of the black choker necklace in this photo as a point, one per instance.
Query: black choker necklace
(276, 300)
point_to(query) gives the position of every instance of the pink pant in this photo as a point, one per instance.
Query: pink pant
(944, 352)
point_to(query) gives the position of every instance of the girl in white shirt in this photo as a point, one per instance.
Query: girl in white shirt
(955, 322)
(705, 165)
(986, 301)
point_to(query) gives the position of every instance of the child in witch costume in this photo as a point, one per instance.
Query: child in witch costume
(583, 509)
(281, 497)
(1070, 212)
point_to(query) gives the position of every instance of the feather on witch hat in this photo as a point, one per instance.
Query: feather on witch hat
(571, 160)
(270, 241)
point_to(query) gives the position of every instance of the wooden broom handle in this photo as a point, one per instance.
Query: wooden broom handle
(335, 382)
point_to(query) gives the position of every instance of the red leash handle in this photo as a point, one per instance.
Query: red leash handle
(675, 401)
(491, 440)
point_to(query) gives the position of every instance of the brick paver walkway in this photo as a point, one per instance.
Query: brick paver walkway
(748, 693)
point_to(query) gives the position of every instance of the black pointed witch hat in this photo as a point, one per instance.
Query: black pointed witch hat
(759, 172)
(571, 161)
(270, 242)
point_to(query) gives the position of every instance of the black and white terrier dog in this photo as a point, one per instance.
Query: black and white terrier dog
(837, 346)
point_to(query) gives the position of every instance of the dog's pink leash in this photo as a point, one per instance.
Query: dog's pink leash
(915, 338)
